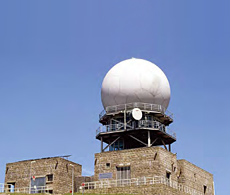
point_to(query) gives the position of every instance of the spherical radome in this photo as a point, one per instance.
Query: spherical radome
(135, 80)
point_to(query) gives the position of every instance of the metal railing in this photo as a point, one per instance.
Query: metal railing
(142, 181)
(155, 125)
(4, 188)
(143, 106)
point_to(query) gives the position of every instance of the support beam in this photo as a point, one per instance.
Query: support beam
(138, 140)
(124, 119)
(111, 143)
(169, 147)
(149, 139)
(164, 144)
(154, 141)
(101, 144)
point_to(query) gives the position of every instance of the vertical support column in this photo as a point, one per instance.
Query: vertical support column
(125, 118)
(169, 147)
(149, 139)
(101, 144)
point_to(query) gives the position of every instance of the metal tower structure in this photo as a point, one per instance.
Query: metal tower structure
(123, 130)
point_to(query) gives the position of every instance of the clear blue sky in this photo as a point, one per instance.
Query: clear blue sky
(54, 55)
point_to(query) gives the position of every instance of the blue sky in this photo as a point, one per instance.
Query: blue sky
(55, 54)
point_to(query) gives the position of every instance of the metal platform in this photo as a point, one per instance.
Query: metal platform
(159, 111)
(139, 125)
(137, 137)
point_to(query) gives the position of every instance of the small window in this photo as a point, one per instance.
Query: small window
(174, 169)
(195, 176)
(180, 173)
(205, 189)
(95, 162)
(107, 164)
(7, 168)
(168, 174)
(50, 177)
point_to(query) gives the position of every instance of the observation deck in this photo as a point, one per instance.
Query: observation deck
(120, 130)
(155, 128)
(165, 116)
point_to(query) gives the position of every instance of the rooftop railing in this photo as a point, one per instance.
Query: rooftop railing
(142, 124)
(141, 181)
(143, 106)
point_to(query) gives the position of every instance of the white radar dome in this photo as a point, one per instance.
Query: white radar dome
(135, 80)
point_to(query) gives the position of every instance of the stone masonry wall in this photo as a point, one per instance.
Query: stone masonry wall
(21, 172)
(154, 161)
(195, 177)
(143, 162)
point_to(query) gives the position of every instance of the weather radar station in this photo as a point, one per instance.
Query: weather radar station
(135, 155)
(135, 94)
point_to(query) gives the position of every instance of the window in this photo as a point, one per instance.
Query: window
(37, 185)
(50, 191)
(11, 187)
(50, 177)
(205, 189)
(118, 145)
(168, 174)
(123, 175)
(107, 164)
(195, 176)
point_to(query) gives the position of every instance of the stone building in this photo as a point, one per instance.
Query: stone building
(148, 162)
(50, 175)
(137, 157)
(135, 124)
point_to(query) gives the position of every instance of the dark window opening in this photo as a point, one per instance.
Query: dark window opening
(50, 191)
(7, 168)
(11, 187)
(168, 174)
(95, 162)
(205, 189)
(50, 177)
(107, 164)
(180, 173)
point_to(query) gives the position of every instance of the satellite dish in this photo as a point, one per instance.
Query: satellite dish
(137, 114)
